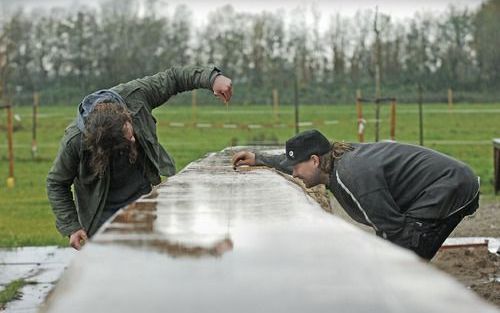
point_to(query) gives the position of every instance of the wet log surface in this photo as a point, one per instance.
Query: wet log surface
(212, 239)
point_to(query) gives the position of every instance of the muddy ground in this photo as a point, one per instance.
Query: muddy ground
(476, 268)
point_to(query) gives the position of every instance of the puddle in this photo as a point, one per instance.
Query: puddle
(40, 266)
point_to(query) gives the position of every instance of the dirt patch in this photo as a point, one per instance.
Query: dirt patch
(474, 267)
(484, 223)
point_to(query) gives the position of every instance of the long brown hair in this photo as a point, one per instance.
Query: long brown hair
(104, 135)
(337, 150)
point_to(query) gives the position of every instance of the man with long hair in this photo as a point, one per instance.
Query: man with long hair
(410, 195)
(110, 153)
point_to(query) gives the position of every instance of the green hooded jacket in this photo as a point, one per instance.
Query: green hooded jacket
(70, 166)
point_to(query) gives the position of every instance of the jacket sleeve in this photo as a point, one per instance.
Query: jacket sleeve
(157, 89)
(382, 212)
(59, 181)
(273, 161)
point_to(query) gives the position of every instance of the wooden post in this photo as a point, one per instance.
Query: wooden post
(393, 119)
(276, 105)
(36, 103)
(450, 99)
(10, 131)
(194, 111)
(359, 110)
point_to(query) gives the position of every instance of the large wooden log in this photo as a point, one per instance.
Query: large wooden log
(218, 240)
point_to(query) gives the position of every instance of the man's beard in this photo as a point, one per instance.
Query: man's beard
(308, 184)
(311, 182)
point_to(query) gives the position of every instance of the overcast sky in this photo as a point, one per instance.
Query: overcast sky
(398, 9)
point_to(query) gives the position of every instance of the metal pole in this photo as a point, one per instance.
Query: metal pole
(393, 119)
(377, 77)
(496, 165)
(420, 115)
(296, 104)
(450, 98)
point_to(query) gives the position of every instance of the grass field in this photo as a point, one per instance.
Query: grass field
(464, 132)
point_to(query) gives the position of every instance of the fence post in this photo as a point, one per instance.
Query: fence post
(420, 115)
(393, 119)
(496, 165)
(450, 99)
(36, 103)
(296, 102)
(194, 104)
(377, 119)
(359, 110)
(10, 131)
(276, 105)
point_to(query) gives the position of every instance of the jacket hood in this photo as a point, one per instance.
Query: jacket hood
(88, 104)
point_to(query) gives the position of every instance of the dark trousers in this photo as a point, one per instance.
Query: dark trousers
(425, 236)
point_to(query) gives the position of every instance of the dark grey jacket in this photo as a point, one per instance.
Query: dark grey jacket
(380, 184)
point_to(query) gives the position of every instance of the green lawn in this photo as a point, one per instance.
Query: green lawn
(25, 216)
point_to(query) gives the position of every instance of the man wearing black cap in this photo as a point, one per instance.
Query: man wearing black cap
(410, 195)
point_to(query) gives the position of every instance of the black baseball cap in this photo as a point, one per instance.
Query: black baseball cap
(300, 147)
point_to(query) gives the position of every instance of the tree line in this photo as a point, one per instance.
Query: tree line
(65, 54)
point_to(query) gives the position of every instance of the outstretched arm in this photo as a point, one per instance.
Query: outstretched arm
(255, 158)
(157, 89)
